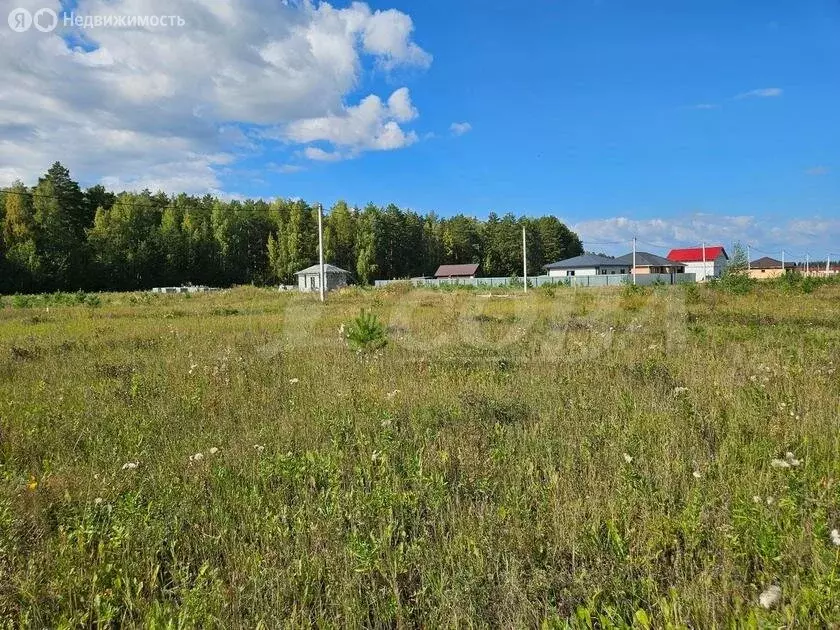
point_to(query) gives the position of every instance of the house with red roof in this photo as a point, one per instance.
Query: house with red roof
(704, 262)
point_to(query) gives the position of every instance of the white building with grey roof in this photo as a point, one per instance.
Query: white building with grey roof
(309, 279)
(587, 265)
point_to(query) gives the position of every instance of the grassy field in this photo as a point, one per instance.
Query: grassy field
(583, 458)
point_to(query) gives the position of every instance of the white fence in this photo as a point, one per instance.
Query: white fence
(610, 280)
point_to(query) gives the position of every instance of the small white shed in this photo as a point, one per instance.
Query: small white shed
(309, 279)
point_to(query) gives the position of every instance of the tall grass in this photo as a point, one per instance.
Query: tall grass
(584, 458)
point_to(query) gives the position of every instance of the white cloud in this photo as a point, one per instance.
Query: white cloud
(762, 93)
(818, 170)
(460, 128)
(167, 106)
(319, 155)
(288, 168)
(369, 126)
(660, 234)
(387, 34)
(400, 107)
(705, 106)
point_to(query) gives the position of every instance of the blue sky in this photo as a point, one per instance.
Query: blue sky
(593, 110)
(676, 121)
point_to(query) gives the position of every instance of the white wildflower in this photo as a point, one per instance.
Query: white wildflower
(679, 391)
(628, 458)
(756, 498)
(213, 450)
(193, 367)
(130, 465)
(780, 463)
(197, 457)
(835, 537)
(697, 474)
(770, 500)
(391, 395)
(770, 597)
(294, 381)
(259, 448)
(98, 500)
(791, 459)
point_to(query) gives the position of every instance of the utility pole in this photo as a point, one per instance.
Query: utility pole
(524, 260)
(749, 264)
(321, 248)
(705, 270)
(634, 260)
(784, 271)
(827, 264)
(807, 264)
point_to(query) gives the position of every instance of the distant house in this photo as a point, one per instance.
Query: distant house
(704, 262)
(587, 265)
(446, 272)
(765, 268)
(647, 263)
(309, 279)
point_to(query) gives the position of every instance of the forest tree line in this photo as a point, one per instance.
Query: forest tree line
(56, 236)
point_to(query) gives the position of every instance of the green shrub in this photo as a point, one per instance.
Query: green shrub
(399, 288)
(634, 297)
(692, 294)
(808, 284)
(734, 281)
(366, 333)
(23, 301)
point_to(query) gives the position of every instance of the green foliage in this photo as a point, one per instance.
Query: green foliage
(59, 298)
(735, 278)
(366, 333)
(507, 463)
(634, 297)
(739, 262)
(738, 283)
(692, 293)
(58, 237)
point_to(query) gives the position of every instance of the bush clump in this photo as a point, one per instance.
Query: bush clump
(366, 333)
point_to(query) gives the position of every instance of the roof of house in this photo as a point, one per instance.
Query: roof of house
(451, 271)
(765, 262)
(585, 261)
(645, 259)
(328, 268)
(695, 254)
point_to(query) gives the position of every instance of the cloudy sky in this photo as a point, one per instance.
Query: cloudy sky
(676, 122)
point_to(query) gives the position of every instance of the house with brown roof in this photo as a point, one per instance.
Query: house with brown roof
(451, 272)
(765, 268)
(647, 263)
